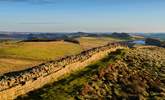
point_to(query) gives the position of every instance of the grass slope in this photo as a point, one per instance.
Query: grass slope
(16, 55)
(125, 74)
(68, 87)
(90, 42)
(25, 54)
(138, 75)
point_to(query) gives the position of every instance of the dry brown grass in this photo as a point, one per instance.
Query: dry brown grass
(11, 64)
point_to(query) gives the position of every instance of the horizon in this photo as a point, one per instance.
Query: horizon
(1, 32)
(142, 16)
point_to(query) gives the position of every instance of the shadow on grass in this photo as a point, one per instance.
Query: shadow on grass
(68, 87)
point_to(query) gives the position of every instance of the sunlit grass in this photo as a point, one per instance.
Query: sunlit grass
(101, 76)
(20, 55)
(15, 55)
(90, 42)
(39, 50)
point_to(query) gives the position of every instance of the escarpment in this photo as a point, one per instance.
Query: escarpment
(11, 82)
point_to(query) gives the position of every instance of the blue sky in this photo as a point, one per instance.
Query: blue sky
(82, 15)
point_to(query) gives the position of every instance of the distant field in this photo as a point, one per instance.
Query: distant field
(38, 50)
(90, 42)
(16, 55)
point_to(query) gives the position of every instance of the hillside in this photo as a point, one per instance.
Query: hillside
(91, 42)
(155, 35)
(136, 73)
(16, 55)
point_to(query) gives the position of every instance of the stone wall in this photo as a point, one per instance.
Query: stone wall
(17, 83)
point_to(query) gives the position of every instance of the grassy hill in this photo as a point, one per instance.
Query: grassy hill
(125, 74)
(16, 55)
(91, 42)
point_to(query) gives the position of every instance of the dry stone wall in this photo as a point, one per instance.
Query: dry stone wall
(14, 84)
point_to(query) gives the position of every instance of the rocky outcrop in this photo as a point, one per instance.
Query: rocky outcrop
(41, 74)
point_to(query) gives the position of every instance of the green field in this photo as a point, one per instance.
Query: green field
(90, 42)
(16, 55)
